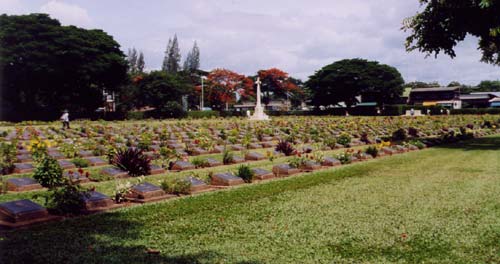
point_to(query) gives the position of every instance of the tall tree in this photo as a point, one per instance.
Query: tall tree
(344, 80)
(443, 24)
(165, 63)
(140, 63)
(192, 62)
(171, 62)
(222, 86)
(276, 84)
(132, 60)
(46, 67)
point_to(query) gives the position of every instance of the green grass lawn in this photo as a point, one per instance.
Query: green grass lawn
(440, 205)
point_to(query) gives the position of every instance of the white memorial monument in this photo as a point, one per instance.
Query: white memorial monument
(259, 110)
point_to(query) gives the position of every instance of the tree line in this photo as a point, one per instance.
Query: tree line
(46, 67)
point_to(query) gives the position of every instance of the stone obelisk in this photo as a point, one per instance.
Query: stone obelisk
(259, 110)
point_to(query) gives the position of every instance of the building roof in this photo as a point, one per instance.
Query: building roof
(435, 89)
(493, 94)
(474, 97)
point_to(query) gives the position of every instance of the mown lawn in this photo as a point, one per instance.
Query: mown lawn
(440, 205)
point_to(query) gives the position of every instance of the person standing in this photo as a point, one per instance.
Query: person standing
(65, 119)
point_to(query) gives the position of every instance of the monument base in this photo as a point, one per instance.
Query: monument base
(259, 115)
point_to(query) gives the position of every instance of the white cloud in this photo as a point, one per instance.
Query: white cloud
(67, 14)
(11, 7)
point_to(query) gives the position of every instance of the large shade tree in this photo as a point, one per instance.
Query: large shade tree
(223, 85)
(276, 84)
(344, 80)
(443, 24)
(160, 90)
(46, 67)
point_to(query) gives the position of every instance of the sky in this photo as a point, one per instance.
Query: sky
(297, 36)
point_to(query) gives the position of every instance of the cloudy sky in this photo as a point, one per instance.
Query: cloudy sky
(297, 36)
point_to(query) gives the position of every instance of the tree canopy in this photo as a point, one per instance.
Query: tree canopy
(443, 24)
(344, 80)
(46, 67)
(276, 84)
(222, 86)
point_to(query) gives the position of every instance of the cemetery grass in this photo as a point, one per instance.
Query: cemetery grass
(440, 205)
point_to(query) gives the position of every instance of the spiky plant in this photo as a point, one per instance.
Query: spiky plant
(132, 160)
(285, 147)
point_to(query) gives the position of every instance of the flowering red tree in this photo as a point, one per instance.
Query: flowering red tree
(277, 83)
(222, 86)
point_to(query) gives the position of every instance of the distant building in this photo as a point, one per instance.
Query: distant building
(432, 96)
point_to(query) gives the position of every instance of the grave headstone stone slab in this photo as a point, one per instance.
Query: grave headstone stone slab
(23, 167)
(56, 155)
(197, 185)
(388, 151)
(96, 201)
(146, 192)
(310, 166)
(22, 184)
(329, 161)
(198, 151)
(85, 153)
(213, 162)
(254, 156)
(182, 165)
(21, 211)
(237, 147)
(237, 159)
(66, 164)
(218, 149)
(262, 174)
(155, 169)
(114, 172)
(226, 179)
(23, 158)
(268, 144)
(284, 170)
(75, 176)
(96, 161)
(254, 146)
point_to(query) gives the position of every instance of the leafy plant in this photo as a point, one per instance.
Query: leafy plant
(132, 160)
(80, 162)
(417, 143)
(297, 161)
(124, 188)
(285, 147)
(399, 135)
(68, 150)
(176, 186)
(344, 139)
(345, 157)
(67, 199)
(227, 157)
(330, 142)
(48, 172)
(245, 173)
(200, 162)
(7, 157)
(372, 150)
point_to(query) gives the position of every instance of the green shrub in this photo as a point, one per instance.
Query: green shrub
(245, 173)
(68, 150)
(202, 114)
(399, 135)
(417, 143)
(80, 162)
(7, 157)
(135, 115)
(48, 172)
(176, 186)
(67, 199)
(345, 157)
(372, 150)
(344, 139)
(227, 157)
(200, 162)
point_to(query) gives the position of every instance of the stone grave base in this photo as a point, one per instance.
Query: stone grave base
(26, 223)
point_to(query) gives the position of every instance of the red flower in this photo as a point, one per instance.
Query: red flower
(80, 170)
(70, 172)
